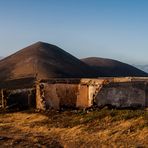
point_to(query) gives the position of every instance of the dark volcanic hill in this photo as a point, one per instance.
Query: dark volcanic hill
(45, 61)
(112, 68)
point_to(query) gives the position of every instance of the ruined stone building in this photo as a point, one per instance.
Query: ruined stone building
(74, 93)
(83, 93)
(44, 76)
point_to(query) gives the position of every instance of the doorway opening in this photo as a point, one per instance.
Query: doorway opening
(20, 99)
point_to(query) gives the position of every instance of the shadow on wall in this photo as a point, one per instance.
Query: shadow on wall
(122, 95)
(20, 100)
(60, 95)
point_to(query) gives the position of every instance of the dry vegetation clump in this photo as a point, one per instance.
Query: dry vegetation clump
(75, 128)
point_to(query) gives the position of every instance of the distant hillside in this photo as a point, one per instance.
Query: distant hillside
(49, 61)
(45, 61)
(109, 67)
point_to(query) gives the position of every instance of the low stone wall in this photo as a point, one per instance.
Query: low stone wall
(125, 94)
(60, 95)
(81, 93)
(120, 93)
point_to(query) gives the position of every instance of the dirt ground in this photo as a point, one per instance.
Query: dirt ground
(74, 129)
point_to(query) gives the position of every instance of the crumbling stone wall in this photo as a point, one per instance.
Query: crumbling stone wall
(40, 99)
(51, 97)
(88, 90)
(60, 95)
(127, 94)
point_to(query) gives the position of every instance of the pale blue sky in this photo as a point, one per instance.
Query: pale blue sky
(115, 29)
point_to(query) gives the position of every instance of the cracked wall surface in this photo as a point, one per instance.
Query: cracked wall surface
(125, 94)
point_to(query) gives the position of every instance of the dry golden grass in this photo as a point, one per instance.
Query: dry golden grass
(70, 129)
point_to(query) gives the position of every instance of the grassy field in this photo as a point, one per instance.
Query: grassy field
(74, 129)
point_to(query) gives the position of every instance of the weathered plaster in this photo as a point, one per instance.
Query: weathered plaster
(122, 95)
